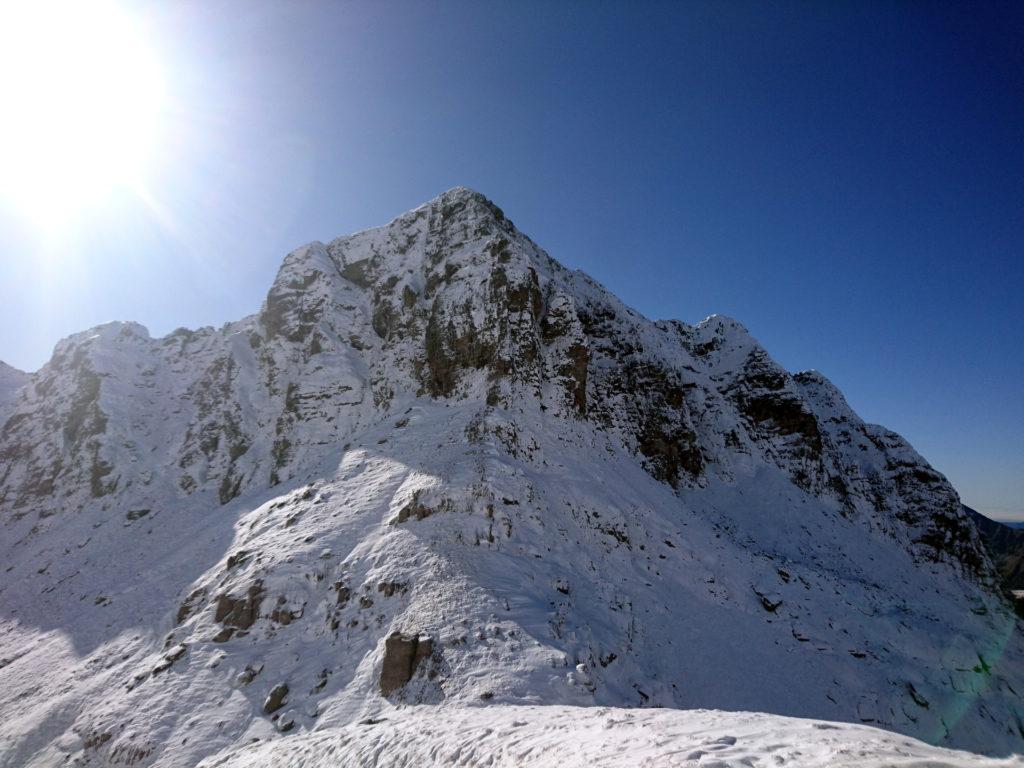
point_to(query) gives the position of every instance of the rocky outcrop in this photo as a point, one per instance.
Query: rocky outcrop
(275, 699)
(403, 654)
(240, 612)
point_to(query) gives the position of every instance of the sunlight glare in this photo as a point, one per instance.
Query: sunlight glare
(81, 91)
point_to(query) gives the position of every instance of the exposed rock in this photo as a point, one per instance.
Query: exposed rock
(223, 635)
(343, 593)
(237, 558)
(275, 699)
(96, 740)
(189, 605)
(283, 614)
(417, 510)
(176, 652)
(240, 612)
(403, 654)
(170, 656)
(390, 588)
(769, 600)
(249, 674)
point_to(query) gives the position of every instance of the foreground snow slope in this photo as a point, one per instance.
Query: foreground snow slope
(433, 428)
(571, 737)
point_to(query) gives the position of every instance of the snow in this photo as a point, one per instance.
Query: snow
(599, 736)
(432, 427)
(11, 380)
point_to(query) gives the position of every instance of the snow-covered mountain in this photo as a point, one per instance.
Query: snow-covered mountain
(439, 468)
(11, 380)
(1005, 546)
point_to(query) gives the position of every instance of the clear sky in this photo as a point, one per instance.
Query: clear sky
(847, 179)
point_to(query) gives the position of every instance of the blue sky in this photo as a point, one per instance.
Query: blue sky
(847, 179)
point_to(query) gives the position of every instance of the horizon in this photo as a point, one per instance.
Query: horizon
(843, 181)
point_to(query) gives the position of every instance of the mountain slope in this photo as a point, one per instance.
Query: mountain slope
(11, 380)
(1006, 547)
(432, 428)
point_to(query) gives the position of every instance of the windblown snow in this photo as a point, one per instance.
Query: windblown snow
(442, 480)
(525, 737)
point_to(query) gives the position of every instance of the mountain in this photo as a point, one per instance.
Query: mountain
(1005, 544)
(11, 380)
(439, 468)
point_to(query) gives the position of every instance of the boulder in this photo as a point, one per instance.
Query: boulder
(275, 699)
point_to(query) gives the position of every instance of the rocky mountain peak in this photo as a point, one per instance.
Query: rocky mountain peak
(451, 470)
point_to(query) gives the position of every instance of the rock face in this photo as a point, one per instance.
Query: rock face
(402, 656)
(434, 425)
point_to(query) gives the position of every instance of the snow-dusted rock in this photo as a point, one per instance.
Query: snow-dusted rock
(433, 429)
(11, 380)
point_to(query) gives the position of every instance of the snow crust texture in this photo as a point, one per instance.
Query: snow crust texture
(524, 737)
(434, 429)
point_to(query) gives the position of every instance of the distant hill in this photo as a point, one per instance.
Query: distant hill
(11, 380)
(1005, 543)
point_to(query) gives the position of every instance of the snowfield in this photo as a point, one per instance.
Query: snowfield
(441, 477)
(598, 737)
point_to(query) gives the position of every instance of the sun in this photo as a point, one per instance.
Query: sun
(81, 92)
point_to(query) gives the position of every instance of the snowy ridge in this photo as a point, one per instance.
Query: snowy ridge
(433, 428)
(596, 736)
